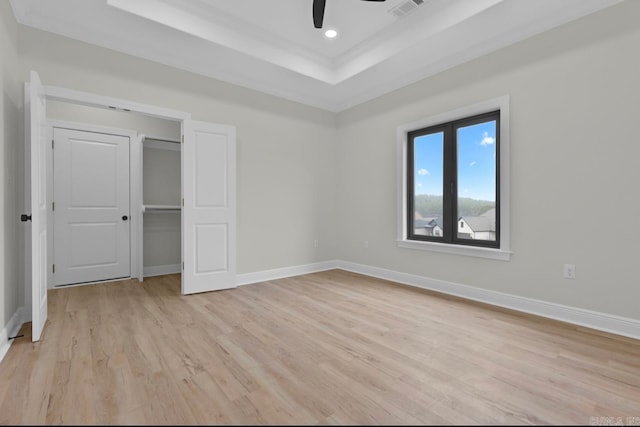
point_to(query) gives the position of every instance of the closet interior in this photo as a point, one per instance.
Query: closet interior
(161, 207)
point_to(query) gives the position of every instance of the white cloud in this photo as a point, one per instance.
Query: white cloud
(472, 164)
(419, 184)
(487, 140)
(423, 172)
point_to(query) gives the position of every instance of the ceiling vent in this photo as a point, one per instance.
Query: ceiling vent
(405, 8)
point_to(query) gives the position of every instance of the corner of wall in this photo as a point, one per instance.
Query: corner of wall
(10, 170)
(11, 329)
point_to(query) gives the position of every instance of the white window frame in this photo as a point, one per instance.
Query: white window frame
(504, 252)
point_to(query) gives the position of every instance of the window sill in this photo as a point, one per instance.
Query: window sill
(497, 254)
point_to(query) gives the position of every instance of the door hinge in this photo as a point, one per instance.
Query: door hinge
(54, 268)
(52, 144)
(53, 206)
(182, 136)
(183, 201)
(182, 265)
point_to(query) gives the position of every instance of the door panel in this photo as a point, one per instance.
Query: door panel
(94, 174)
(104, 253)
(91, 187)
(211, 248)
(211, 170)
(208, 216)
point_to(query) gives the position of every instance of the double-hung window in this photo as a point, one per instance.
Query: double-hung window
(453, 189)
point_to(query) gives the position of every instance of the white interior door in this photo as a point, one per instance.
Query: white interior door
(91, 214)
(209, 207)
(39, 143)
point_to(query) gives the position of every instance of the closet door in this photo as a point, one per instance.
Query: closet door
(35, 107)
(91, 217)
(209, 211)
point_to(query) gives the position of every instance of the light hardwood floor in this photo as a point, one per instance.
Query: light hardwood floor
(325, 348)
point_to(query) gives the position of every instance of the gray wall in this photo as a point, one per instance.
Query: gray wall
(11, 297)
(575, 105)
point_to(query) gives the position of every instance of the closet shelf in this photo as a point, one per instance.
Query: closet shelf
(161, 208)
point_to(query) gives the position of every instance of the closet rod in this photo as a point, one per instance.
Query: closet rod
(145, 138)
(161, 208)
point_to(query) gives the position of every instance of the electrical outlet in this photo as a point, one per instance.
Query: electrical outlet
(315, 243)
(569, 271)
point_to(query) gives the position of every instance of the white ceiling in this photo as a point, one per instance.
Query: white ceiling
(272, 46)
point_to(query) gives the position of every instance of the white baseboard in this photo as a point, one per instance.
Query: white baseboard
(577, 316)
(280, 273)
(10, 330)
(161, 270)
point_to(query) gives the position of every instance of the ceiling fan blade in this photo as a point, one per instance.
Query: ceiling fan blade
(318, 13)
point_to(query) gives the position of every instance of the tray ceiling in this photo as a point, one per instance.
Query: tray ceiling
(272, 46)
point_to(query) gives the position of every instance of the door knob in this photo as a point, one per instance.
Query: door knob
(25, 218)
(124, 218)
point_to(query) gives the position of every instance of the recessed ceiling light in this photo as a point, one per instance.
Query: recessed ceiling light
(330, 34)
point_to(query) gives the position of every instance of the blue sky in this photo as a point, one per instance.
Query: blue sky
(476, 162)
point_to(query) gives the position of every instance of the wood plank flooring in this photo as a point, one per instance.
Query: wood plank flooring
(325, 348)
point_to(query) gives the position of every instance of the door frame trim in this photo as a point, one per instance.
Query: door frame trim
(134, 189)
(71, 96)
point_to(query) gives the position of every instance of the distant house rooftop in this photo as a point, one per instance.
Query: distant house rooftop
(429, 222)
(484, 222)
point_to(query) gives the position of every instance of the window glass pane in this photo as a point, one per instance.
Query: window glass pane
(476, 199)
(428, 163)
